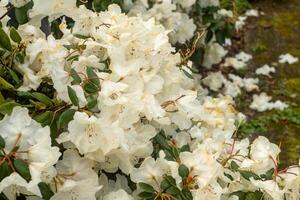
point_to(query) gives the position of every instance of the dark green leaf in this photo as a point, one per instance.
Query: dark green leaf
(65, 118)
(73, 97)
(162, 141)
(220, 37)
(187, 194)
(185, 148)
(5, 170)
(7, 107)
(209, 36)
(81, 36)
(5, 85)
(234, 166)
(2, 142)
(183, 171)
(173, 190)
(171, 180)
(46, 192)
(75, 76)
(92, 102)
(90, 88)
(4, 40)
(42, 98)
(240, 194)
(257, 195)
(247, 175)
(92, 76)
(21, 13)
(14, 35)
(23, 169)
(146, 195)
(44, 118)
(14, 76)
(228, 176)
(165, 184)
(268, 175)
(146, 187)
(197, 57)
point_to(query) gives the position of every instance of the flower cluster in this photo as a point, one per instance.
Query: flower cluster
(105, 107)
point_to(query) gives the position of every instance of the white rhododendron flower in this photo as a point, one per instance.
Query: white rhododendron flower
(265, 70)
(135, 100)
(262, 103)
(26, 140)
(288, 58)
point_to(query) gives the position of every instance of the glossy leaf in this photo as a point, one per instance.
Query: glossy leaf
(42, 98)
(65, 118)
(4, 40)
(2, 142)
(23, 169)
(14, 35)
(73, 97)
(183, 171)
(46, 192)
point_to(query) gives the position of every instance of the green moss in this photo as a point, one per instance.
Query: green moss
(293, 84)
(265, 122)
(259, 47)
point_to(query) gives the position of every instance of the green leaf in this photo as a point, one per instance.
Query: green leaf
(197, 57)
(146, 187)
(42, 98)
(234, 166)
(38, 105)
(4, 40)
(257, 195)
(2, 142)
(5, 170)
(20, 57)
(183, 171)
(98, 5)
(228, 176)
(66, 117)
(209, 36)
(173, 190)
(162, 141)
(73, 97)
(23, 169)
(268, 175)
(14, 76)
(220, 37)
(92, 76)
(146, 195)
(3, 196)
(165, 184)
(14, 35)
(7, 107)
(46, 192)
(185, 148)
(76, 77)
(21, 13)
(44, 118)
(92, 102)
(90, 88)
(247, 175)
(171, 180)
(187, 194)
(240, 194)
(5, 85)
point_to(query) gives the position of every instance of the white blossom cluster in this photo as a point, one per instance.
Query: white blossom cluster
(142, 96)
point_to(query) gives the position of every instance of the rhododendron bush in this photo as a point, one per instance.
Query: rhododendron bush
(102, 100)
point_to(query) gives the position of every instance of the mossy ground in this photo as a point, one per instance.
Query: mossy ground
(275, 33)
